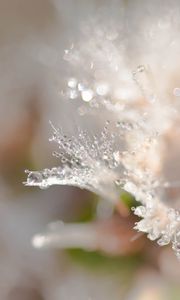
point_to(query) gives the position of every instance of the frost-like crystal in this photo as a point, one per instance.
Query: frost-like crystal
(128, 154)
(97, 164)
(86, 162)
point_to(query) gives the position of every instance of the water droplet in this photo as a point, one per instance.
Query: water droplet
(87, 95)
(56, 154)
(67, 55)
(72, 83)
(102, 89)
(164, 240)
(81, 87)
(35, 177)
(64, 160)
(73, 94)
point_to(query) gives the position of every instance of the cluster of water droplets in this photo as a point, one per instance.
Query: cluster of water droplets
(113, 160)
(90, 162)
(104, 78)
(117, 158)
(125, 155)
(160, 223)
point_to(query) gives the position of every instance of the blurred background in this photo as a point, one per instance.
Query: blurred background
(33, 37)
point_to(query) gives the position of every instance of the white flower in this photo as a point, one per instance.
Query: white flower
(143, 107)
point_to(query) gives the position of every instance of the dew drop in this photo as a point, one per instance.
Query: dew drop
(81, 87)
(164, 240)
(72, 83)
(67, 55)
(56, 154)
(73, 94)
(63, 160)
(87, 95)
(102, 89)
(34, 177)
